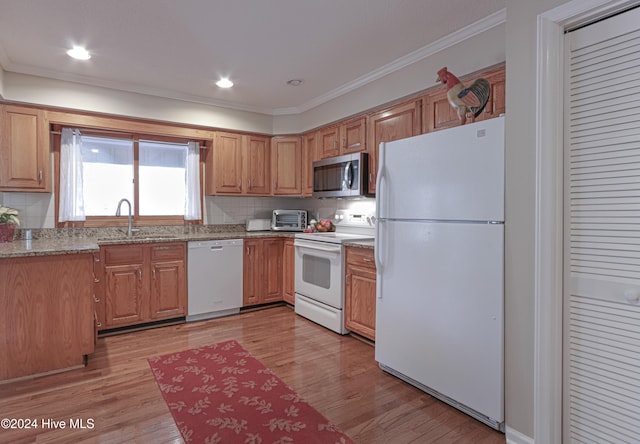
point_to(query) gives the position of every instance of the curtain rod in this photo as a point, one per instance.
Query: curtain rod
(122, 133)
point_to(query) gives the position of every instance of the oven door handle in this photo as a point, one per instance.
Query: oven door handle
(318, 246)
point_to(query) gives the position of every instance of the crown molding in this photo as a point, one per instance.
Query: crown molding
(439, 45)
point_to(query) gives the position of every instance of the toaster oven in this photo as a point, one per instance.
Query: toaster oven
(289, 220)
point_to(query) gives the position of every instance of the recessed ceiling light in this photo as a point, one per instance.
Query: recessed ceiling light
(78, 52)
(294, 82)
(224, 83)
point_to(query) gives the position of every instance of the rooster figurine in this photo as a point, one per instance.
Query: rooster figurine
(471, 99)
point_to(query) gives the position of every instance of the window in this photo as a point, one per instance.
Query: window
(151, 174)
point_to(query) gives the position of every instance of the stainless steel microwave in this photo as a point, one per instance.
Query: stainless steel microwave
(341, 176)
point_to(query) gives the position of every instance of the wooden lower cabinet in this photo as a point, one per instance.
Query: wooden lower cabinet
(262, 271)
(143, 283)
(47, 315)
(288, 272)
(360, 292)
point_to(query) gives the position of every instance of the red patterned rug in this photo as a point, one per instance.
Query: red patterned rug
(221, 394)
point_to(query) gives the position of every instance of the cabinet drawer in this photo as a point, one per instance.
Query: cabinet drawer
(361, 257)
(123, 254)
(166, 251)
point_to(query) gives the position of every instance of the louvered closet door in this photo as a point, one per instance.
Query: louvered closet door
(602, 235)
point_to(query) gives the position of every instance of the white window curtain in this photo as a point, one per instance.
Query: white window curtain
(192, 207)
(71, 195)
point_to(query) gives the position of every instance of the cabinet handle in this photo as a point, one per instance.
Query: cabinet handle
(99, 324)
(354, 145)
(335, 144)
(370, 177)
(140, 275)
(344, 142)
(162, 248)
(347, 279)
(247, 251)
(240, 185)
(95, 299)
(154, 274)
(96, 280)
(367, 259)
(249, 182)
(40, 176)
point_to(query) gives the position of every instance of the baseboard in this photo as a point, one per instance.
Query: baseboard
(515, 437)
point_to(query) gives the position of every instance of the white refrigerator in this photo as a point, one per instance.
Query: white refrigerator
(439, 252)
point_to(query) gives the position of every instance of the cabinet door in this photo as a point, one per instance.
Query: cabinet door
(309, 155)
(397, 122)
(227, 163)
(272, 258)
(24, 150)
(168, 286)
(252, 272)
(329, 145)
(496, 104)
(286, 155)
(353, 135)
(439, 114)
(257, 165)
(168, 289)
(124, 292)
(360, 301)
(288, 275)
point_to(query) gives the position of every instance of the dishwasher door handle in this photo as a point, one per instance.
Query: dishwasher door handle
(216, 248)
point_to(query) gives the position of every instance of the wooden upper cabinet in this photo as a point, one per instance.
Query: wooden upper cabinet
(346, 137)
(353, 136)
(329, 141)
(24, 150)
(309, 155)
(286, 165)
(398, 122)
(257, 167)
(224, 172)
(239, 165)
(439, 114)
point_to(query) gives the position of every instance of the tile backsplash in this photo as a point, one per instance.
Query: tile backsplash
(36, 210)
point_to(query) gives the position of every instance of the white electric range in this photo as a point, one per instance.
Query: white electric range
(319, 269)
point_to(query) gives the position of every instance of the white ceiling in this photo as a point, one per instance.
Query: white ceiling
(179, 48)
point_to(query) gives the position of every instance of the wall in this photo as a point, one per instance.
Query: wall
(1, 83)
(42, 91)
(483, 50)
(521, 35)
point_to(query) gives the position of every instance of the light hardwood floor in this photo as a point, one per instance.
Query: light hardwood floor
(336, 374)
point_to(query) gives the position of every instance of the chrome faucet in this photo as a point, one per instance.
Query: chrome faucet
(129, 229)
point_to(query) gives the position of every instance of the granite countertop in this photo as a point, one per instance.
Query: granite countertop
(74, 241)
(361, 244)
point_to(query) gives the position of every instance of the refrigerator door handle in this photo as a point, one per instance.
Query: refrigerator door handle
(377, 252)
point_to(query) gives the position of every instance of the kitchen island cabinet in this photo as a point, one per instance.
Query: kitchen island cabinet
(47, 316)
(360, 292)
(143, 283)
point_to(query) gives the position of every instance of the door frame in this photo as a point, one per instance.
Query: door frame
(548, 272)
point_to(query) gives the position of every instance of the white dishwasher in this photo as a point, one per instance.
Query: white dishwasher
(214, 278)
